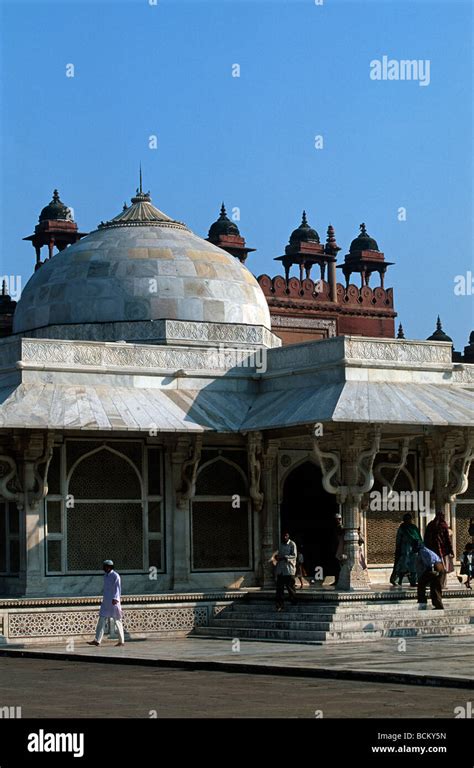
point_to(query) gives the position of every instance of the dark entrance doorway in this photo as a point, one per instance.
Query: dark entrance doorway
(308, 513)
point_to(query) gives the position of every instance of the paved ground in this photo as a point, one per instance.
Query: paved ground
(436, 661)
(63, 689)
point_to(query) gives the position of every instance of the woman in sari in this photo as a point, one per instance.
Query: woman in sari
(437, 539)
(405, 558)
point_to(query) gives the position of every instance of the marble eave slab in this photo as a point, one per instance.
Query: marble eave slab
(48, 406)
(362, 402)
(82, 407)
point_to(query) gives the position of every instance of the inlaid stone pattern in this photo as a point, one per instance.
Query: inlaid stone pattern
(305, 322)
(51, 624)
(161, 331)
(120, 356)
(393, 350)
(382, 530)
(464, 512)
(56, 623)
(336, 350)
(164, 619)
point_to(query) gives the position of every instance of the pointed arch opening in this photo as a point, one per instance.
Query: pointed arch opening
(308, 512)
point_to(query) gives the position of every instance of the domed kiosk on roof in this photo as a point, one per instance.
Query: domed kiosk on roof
(143, 276)
(55, 210)
(304, 233)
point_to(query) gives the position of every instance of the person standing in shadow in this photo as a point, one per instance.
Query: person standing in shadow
(338, 547)
(285, 570)
(300, 569)
(405, 557)
(437, 539)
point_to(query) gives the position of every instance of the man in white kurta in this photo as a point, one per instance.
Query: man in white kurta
(110, 607)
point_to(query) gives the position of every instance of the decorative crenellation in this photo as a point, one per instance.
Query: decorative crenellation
(318, 292)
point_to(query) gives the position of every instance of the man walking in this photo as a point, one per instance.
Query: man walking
(110, 607)
(430, 571)
(285, 571)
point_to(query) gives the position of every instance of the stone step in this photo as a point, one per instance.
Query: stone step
(353, 607)
(323, 637)
(255, 615)
(255, 633)
(280, 622)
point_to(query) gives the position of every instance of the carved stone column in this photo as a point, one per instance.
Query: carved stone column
(184, 461)
(29, 460)
(452, 453)
(269, 501)
(332, 279)
(350, 477)
(442, 447)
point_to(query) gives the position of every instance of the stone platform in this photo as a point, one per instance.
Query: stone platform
(342, 617)
(321, 616)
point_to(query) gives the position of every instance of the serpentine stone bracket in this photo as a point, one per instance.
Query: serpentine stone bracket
(365, 465)
(10, 474)
(31, 483)
(41, 481)
(395, 465)
(330, 469)
(460, 465)
(255, 453)
(361, 462)
(189, 472)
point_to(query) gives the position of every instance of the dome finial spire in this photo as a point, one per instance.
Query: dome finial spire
(363, 230)
(439, 334)
(304, 220)
(140, 195)
(223, 211)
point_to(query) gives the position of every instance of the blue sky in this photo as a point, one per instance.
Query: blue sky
(166, 70)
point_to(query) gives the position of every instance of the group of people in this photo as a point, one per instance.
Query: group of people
(289, 564)
(426, 562)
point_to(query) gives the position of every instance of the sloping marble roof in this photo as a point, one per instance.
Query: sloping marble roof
(362, 402)
(52, 406)
(61, 385)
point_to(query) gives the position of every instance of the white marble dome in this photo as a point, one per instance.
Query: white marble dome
(134, 271)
